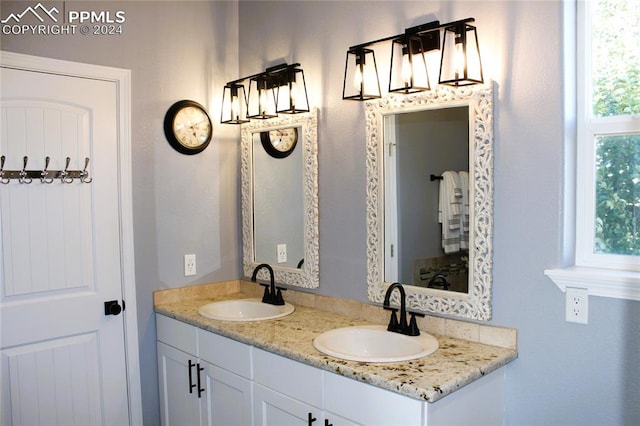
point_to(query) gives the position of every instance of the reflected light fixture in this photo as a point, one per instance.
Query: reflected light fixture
(234, 104)
(279, 89)
(361, 75)
(411, 54)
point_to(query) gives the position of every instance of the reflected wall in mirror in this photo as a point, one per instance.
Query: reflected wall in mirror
(412, 142)
(280, 202)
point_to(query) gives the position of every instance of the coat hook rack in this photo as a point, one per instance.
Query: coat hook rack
(434, 178)
(45, 175)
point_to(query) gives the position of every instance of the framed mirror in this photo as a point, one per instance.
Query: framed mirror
(279, 166)
(430, 199)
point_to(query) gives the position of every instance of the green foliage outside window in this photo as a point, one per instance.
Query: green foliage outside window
(616, 91)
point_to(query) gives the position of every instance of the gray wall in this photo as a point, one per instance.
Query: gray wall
(566, 373)
(181, 204)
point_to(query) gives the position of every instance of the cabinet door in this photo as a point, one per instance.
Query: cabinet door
(179, 406)
(226, 399)
(272, 408)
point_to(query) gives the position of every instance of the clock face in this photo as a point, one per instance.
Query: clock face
(188, 127)
(192, 127)
(280, 143)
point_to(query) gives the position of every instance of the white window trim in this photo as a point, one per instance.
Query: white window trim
(602, 275)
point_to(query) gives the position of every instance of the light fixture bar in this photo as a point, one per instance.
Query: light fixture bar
(408, 72)
(284, 83)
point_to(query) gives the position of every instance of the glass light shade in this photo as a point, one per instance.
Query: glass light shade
(234, 104)
(291, 92)
(361, 76)
(460, 64)
(261, 103)
(408, 66)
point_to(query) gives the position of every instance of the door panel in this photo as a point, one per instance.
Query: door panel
(46, 224)
(61, 253)
(51, 380)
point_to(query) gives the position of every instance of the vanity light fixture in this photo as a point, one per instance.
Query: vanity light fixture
(291, 95)
(361, 75)
(408, 71)
(234, 104)
(411, 53)
(279, 89)
(460, 64)
(261, 101)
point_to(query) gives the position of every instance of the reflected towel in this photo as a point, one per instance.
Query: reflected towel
(450, 211)
(464, 187)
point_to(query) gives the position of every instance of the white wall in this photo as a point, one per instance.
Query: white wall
(182, 204)
(566, 374)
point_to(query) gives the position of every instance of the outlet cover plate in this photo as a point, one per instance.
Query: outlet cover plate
(189, 265)
(577, 305)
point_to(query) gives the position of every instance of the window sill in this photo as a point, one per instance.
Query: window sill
(599, 282)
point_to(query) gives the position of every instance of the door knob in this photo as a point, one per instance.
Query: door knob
(112, 307)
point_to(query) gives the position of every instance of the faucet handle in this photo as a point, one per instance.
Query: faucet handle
(393, 321)
(277, 298)
(266, 297)
(413, 329)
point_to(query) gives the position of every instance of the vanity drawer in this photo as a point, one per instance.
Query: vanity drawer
(226, 353)
(177, 334)
(288, 377)
(369, 405)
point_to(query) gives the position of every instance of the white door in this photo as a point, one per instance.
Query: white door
(63, 358)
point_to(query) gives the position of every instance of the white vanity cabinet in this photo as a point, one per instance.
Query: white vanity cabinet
(243, 386)
(204, 379)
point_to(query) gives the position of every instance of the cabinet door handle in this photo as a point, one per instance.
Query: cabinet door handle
(200, 388)
(310, 419)
(191, 385)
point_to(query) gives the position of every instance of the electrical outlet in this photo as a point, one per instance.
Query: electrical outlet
(577, 305)
(282, 253)
(189, 265)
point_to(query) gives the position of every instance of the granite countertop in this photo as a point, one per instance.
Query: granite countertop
(456, 362)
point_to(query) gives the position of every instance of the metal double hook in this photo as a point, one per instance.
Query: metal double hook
(3, 179)
(46, 176)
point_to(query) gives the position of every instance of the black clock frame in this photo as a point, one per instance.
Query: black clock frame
(169, 119)
(271, 150)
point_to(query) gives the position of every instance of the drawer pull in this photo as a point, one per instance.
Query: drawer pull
(200, 388)
(191, 384)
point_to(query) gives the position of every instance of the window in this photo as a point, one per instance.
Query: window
(607, 243)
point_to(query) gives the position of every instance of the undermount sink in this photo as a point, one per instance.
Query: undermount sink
(244, 310)
(373, 343)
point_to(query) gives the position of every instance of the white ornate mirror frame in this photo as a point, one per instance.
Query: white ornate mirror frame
(308, 275)
(476, 304)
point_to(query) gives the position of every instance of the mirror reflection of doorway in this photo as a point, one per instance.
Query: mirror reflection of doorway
(417, 145)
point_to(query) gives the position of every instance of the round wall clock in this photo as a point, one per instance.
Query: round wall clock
(279, 143)
(187, 127)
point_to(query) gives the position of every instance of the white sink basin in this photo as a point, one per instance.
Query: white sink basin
(244, 310)
(373, 343)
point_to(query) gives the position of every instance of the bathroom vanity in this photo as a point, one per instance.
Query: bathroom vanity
(268, 373)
